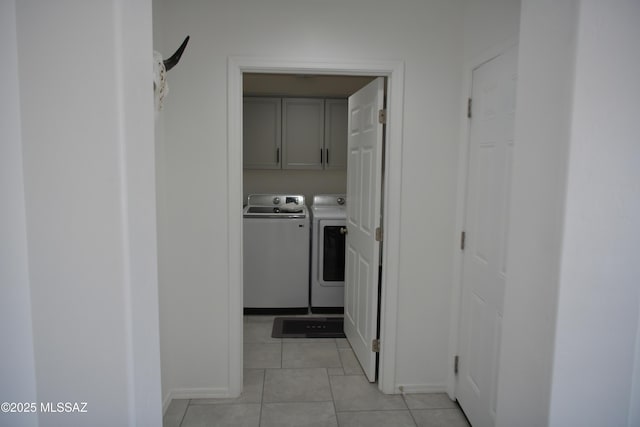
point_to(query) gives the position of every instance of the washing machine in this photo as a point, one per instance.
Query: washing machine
(276, 230)
(329, 227)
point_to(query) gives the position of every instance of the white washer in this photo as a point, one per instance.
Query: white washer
(329, 222)
(276, 254)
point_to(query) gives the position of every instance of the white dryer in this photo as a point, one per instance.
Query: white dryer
(329, 222)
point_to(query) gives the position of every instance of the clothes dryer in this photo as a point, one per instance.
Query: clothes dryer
(329, 222)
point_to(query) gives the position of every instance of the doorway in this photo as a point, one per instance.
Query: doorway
(394, 72)
(361, 141)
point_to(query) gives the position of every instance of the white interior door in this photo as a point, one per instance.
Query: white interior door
(364, 177)
(484, 273)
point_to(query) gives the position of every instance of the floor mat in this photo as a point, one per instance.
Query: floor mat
(308, 327)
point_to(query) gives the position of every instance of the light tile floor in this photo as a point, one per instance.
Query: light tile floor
(309, 383)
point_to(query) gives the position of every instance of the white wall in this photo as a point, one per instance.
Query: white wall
(17, 371)
(193, 287)
(133, 53)
(489, 24)
(596, 358)
(87, 162)
(543, 118)
(571, 341)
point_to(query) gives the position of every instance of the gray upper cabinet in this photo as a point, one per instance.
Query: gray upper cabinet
(335, 133)
(303, 133)
(262, 133)
(295, 133)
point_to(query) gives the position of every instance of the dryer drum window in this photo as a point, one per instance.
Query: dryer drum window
(333, 254)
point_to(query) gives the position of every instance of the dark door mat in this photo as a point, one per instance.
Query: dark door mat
(308, 327)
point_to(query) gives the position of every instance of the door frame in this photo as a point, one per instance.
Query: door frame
(394, 72)
(461, 205)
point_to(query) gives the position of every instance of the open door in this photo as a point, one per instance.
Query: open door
(491, 142)
(364, 179)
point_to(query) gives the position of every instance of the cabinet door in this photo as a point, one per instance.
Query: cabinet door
(261, 133)
(303, 129)
(335, 133)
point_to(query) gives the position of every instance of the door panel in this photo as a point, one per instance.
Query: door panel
(350, 288)
(484, 272)
(364, 180)
(302, 133)
(261, 133)
(335, 133)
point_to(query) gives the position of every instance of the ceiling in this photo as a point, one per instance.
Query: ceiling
(302, 85)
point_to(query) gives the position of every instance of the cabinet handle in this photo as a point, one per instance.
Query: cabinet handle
(321, 156)
(278, 155)
(327, 156)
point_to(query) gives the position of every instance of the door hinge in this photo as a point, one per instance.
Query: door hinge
(375, 346)
(382, 117)
(463, 238)
(379, 234)
(456, 360)
(469, 102)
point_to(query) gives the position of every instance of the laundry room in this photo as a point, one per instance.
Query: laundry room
(294, 191)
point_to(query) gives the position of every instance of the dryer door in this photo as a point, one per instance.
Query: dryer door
(331, 254)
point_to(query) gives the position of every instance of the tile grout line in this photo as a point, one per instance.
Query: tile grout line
(353, 411)
(339, 356)
(333, 399)
(184, 414)
(264, 380)
(404, 399)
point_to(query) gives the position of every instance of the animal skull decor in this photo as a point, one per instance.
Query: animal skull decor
(160, 68)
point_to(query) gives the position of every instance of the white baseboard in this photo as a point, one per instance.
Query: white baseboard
(194, 393)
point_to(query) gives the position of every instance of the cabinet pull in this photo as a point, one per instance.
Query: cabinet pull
(321, 156)
(278, 155)
(327, 156)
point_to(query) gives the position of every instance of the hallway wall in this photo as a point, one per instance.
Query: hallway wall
(571, 337)
(598, 323)
(17, 371)
(427, 36)
(80, 224)
(542, 126)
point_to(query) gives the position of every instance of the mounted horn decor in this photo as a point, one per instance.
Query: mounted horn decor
(173, 60)
(160, 68)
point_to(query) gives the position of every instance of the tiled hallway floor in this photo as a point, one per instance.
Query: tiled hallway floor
(309, 382)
